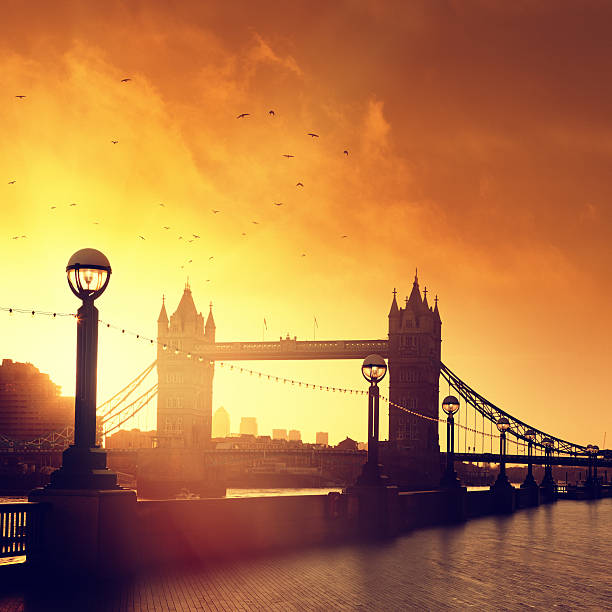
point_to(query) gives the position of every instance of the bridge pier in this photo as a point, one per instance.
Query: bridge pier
(86, 532)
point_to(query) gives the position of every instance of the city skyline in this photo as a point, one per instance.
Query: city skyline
(498, 196)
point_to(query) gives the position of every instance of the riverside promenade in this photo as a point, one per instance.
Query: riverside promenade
(555, 556)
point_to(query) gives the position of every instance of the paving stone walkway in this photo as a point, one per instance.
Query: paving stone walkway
(556, 557)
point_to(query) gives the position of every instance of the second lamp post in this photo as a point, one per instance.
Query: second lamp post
(450, 405)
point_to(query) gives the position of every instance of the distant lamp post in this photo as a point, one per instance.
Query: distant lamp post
(503, 425)
(84, 463)
(373, 369)
(548, 481)
(529, 481)
(450, 406)
(589, 479)
(595, 452)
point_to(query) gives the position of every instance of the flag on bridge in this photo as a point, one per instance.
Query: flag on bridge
(315, 322)
(265, 324)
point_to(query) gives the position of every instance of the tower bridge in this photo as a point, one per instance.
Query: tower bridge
(185, 386)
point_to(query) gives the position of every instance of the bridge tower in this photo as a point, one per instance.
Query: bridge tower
(184, 400)
(414, 371)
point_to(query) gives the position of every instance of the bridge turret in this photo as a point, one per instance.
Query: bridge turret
(394, 315)
(210, 328)
(162, 321)
(414, 371)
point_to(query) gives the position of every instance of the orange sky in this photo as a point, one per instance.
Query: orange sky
(479, 140)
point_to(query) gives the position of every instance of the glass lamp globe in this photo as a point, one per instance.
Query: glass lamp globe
(450, 405)
(594, 449)
(503, 424)
(547, 442)
(589, 448)
(374, 368)
(530, 434)
(88, 273)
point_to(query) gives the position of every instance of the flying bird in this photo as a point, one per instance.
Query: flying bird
(125, 80)
(142, 237)
(15, 238)
(195, 235)
(166, 227)
(299, 184)
(191, 240)
(180, 237)
(208, 280)
(215, 212)
(12, 182)
(255, 222)
(96, 223)
(190, 261)
(244, 233)
(271, 112)
(312, 135)
(211, 257)
(278, 203)
(303, 254)
(242, 115)
(114, 141)
(287, 155)
(73, 204)
(53, 207)
(20, 97)
(345, 236)
(345, 152)
(163, 205)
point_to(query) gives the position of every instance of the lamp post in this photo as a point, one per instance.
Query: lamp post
(503, 425)
(595, 452)
(373, 369)
(548, 481)
(84, 463)
(450, 405)
(529, 481)
(589, 479)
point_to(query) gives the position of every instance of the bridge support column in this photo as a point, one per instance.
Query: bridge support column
(86, 532)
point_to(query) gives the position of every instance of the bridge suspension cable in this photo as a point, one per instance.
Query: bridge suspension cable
(493, 413)
(139, 403)
(126, 391)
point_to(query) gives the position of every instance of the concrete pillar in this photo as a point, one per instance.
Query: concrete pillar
(87, 532)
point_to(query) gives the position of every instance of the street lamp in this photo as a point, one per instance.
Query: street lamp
(595, 452)
(373, 369)
(530, 434)
(548, 481)
(503, 425)
(84, 463)
(450, 405)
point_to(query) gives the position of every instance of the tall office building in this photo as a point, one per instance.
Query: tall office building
(31, 406)
(322, 437)
(295, 435)
(220, 423)
(248, 426)
(279, 434)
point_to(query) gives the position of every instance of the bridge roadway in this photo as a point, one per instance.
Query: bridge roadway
(288, 349)
(536, 459)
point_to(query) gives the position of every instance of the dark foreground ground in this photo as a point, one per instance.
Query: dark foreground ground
(556, 557)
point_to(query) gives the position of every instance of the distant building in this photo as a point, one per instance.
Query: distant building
(279, 434)
(347, 444)
(322, 437)
(295, 435)
(220, 423)
(248, 426)
(362, 446)
(133, 438)
(31, 406)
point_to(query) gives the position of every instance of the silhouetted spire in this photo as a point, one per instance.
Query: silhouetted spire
(436, 311)
(394, 311)
(210, 322)
(186, 308)
(415, 295)
(425, 298)
(163, 315)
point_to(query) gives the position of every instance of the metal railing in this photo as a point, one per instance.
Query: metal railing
(20, 528)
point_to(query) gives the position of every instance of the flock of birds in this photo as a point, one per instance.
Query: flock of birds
(193, 237)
